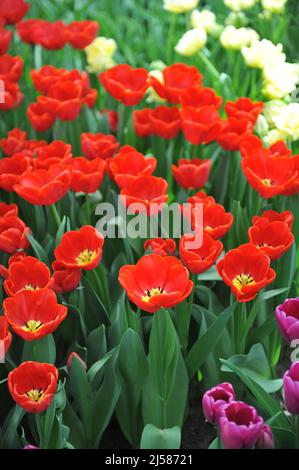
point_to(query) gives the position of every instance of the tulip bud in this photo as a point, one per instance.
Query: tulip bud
(240, 425)
(291, 389)
(287, 316)
(70, 360)
(266, 438)
(214, 399)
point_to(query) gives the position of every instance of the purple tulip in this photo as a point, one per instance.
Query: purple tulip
(291, 389)
(266, 438)
(240, 425)
(30, 447)
(287, 316)
(215, 398)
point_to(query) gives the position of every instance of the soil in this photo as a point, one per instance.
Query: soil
(196, 433)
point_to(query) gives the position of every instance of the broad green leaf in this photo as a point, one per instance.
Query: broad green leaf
(155, 438)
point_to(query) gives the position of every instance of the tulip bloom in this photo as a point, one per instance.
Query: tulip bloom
(287, 316)
(166, 122)
(11, 68)
(200, 126)
(269, 176)
(13, 233)
(80, 249)
(291, 389)
(27, 273)
(5, 337)
(52, 154)
(215, 398)
(5, 39)
(244, 108)
(12, 96)
(87, 175)
(51, 36)
(201, 258)
(252, 144)
(8, 209)
(246, 271)
(233, 132)
(147, 193)
(128, 164)
(177, 78)
(40, 116)
(14, 142)
(64, 279)
(82, 33)
(160, 246)
(216, 221)
(44, 187)
(156, 282)
(13, 11)
(32, 385)
(273, 216)
(34, 314)
(18, 256)
(272, 238)
(198, 97)
(266, 438)
(191, 174)
(12, 169)
(240, 425)
(98, 145)
(125, 84)
(142, 122)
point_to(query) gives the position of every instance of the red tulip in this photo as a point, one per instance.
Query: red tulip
(80, 249)
(251, 144)
(40, 117)
(126, 165)
(142, 122)
(52, 35)
(64, 279)
(5, 39)
(87, 175)
(112, 118)
(146, 193)
(13, 11)
(244, 108)
(166, 122)
(293, 187)
(12, 96)
(161, 246)
(177, 78)
(233, 132)
(14, 142)
(18, 256)
(269, 176)
(198, 97)
(5, 338)
(272, 238)
(48, 75)
(201, 258)
(82, 33)
(191, 174)
(12, 169)
(201, 125)
(98, 145)
(11, 68)
(30, 30)
(34, 314)
(246, 270)
(44, 187)
(125, 83)
(156, 282)
(7, 210)
(32, 385)
(216, 221)
(13, 233)
(52, 154)
(27, 273)
(273, 216)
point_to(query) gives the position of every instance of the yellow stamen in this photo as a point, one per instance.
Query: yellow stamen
(35, 395)
(243, 280)
(30, 287)
(267, 182)
(32, 325)
(152, 293)
(85, 257)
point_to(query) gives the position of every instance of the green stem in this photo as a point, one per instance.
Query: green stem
(56, 215)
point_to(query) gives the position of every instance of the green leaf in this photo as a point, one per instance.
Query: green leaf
(97, 366)
(255, 365)
(38, 250)
(205, 343)
(132, 369)
(155, 438)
